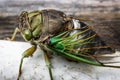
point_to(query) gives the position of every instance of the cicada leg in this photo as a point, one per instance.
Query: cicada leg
(26, 53)
(48, 64)
(14, 35)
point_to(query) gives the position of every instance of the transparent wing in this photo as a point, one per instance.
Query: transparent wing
(80, 45)
(109, 31)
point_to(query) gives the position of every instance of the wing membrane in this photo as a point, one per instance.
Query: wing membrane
(80, 45)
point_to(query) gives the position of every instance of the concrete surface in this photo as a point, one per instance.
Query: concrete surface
(35, 69)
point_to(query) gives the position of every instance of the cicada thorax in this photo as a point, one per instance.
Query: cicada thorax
(47, 22)
(53, 22)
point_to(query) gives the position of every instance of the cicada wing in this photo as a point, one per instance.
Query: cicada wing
(108, 28)
(109, 31)
(80, 45)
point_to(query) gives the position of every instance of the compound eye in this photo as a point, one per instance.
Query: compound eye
(27, 35)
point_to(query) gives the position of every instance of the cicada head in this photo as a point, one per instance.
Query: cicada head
(30, 24)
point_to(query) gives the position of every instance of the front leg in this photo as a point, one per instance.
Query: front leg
(26, 53)
(13, 35)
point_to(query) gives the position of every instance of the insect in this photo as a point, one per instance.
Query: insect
(56, 32)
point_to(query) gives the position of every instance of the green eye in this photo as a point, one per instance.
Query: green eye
(27, 34)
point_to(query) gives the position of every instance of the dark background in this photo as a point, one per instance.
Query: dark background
(105, 15)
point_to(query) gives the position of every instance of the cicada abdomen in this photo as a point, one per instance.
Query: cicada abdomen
(53, 22)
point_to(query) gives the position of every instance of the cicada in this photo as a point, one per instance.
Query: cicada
(55, 32)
